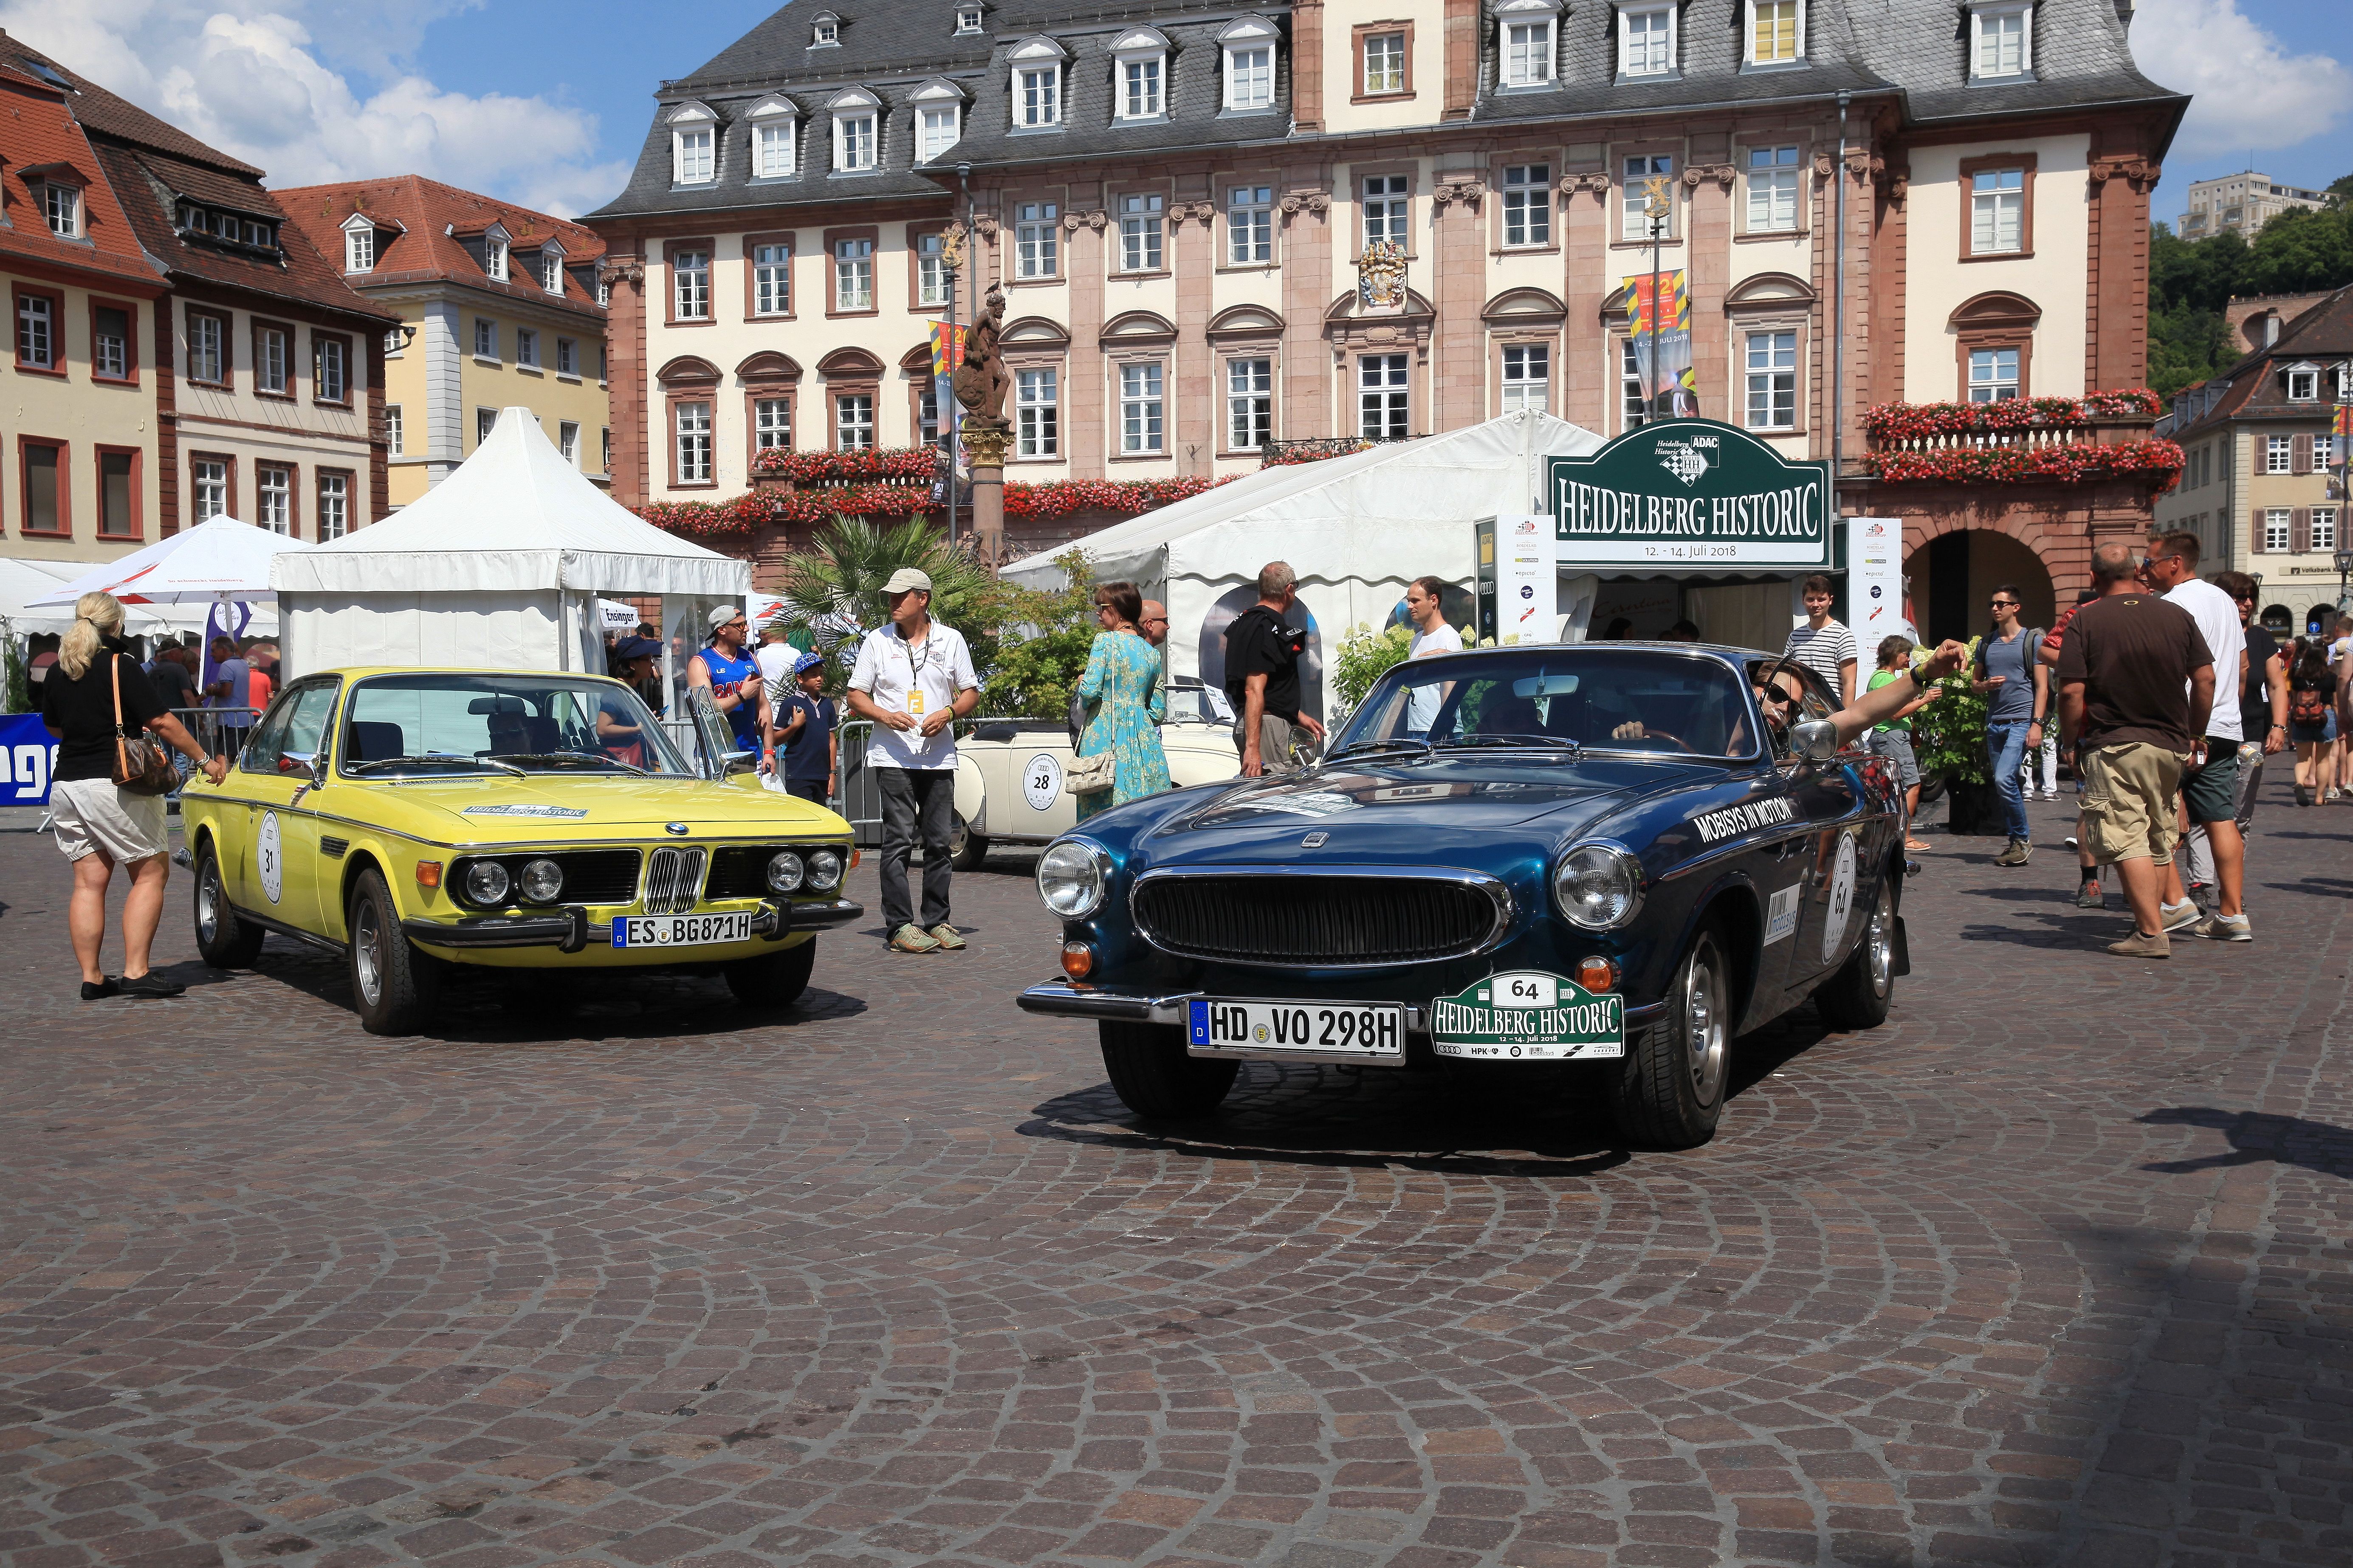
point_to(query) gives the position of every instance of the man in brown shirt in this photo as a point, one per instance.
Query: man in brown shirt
(2136, 683)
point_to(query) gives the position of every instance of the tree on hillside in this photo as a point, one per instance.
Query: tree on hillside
(2192, 281)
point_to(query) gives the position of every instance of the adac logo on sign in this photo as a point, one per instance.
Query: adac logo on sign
(1690, 492)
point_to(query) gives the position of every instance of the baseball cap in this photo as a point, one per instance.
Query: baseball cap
(722, 614)
(906, 578)
(629, 648)
(809, 661)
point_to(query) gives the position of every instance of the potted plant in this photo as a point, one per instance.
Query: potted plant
(1948, 737)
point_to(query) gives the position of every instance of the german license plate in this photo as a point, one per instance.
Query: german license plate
(1346, 1029)
(680, 930)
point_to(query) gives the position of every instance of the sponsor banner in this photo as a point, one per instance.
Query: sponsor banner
(1663, 358)
(1716, 826)
(1528, 1016)
(1690, 493)
(1875, 583)
(30, 755)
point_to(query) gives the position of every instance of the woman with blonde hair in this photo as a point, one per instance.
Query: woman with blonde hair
(99, 824)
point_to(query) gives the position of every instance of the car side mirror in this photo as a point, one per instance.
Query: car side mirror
(735, 762)
(1816, 739)
(319, 769)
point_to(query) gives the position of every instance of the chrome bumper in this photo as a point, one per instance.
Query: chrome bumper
(568, 930)
(1062, 999)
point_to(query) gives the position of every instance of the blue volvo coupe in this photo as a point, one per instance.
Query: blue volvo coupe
(1618, 856)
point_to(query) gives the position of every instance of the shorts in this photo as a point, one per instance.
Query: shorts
(2211, 793)
(92, 815)
(2128, 813)
(1273, 743)
(1896, 745)
(2318, 734)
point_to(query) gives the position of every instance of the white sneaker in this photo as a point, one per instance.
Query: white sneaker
(2172, 918)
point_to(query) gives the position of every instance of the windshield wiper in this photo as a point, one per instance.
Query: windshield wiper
(373, 764)
(1393, 742)
(580, 758)
(1514, 741)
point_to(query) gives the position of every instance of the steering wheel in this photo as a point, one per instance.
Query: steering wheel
(1649, 734)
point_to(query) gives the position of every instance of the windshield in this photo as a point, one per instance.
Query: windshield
(503, 723)
(1620, 699)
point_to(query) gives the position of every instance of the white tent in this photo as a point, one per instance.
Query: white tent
(501, 565)
(25, 580)
(1356, 530)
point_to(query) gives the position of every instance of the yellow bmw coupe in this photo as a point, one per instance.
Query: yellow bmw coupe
(416, 818)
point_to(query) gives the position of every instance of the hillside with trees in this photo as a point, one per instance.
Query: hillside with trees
(2192, 282)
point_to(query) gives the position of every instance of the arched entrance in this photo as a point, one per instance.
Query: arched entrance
(1952, 576)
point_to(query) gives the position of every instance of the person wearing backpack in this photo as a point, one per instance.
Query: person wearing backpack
(2017, 690)
(2311, 719)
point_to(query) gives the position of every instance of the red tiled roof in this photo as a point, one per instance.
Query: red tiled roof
(100, 110)
(419, 221)
(42, 134)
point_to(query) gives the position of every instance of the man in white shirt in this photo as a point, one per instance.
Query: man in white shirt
(2210, 788)
(1431, 635)
(915, 679)
(776, 658)
(1822, 644)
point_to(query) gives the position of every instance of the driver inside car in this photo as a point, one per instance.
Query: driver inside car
(1778, 696)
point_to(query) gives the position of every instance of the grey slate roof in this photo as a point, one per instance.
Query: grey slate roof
(1915, 49)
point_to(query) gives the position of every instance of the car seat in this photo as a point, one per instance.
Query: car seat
(376, 741)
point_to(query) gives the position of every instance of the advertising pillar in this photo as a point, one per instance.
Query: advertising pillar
(1875, 582)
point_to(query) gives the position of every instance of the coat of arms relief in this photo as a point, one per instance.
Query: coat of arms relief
(1380, 277)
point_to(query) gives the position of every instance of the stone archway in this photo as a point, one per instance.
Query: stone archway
(1951, 575)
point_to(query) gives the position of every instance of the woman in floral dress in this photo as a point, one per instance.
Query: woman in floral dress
(1126, 699)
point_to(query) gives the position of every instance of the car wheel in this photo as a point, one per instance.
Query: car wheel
(1153, 1076)
(1670, 1088)
(393, 985)
(1857, 996)
(966, 849)
(223, 941)
(775, 979)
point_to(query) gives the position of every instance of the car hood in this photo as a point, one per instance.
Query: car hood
(477, 810)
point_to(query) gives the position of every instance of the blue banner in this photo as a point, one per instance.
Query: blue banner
(29, 755)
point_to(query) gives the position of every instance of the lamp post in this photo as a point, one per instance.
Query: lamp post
(1656, 209)
(944, 406)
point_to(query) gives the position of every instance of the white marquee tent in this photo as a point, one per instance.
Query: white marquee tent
(502, 564)
(1356, 529)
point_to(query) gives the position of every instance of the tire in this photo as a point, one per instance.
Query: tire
(966, 849)
(394, 987)
(775, 979)
(223, 941)
(1857, 996)
(1668, 1091)
(1153, 1076)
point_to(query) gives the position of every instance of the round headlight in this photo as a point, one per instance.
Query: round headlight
(487, 882)
(1598, 886)
(824, 869)
(785, 872)
(542, 880)
(1070, 876)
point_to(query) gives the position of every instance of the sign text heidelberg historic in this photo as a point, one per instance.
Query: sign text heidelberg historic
(1690, 492)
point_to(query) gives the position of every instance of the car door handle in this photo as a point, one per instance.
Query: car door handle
(1788, 846)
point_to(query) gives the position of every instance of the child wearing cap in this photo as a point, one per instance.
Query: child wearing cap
(804, 738)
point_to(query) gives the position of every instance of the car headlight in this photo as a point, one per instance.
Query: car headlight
(1072, 876)
(824, 869)
(487, 882)
(1598, 886)
(542, 881)
(785, 872)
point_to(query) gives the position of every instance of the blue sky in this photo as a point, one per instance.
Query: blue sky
(547, 104)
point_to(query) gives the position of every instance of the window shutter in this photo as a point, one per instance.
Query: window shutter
(2255, 534)
(2299, 530)
(2299, 459)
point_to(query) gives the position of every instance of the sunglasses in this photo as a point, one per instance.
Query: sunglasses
(2005, 604)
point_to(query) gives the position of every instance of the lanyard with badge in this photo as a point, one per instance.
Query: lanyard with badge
(915, 667)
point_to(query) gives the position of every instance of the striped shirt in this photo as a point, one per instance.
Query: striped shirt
(1822, 652)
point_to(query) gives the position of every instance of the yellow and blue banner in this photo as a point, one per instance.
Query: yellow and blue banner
(1669, 387)
(947, 348)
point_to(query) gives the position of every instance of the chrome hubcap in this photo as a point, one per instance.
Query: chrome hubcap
(1703, 1008)
(1882, 940)
(367, 956)
(208, 905)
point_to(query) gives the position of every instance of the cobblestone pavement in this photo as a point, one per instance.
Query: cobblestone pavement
(2053, 1268)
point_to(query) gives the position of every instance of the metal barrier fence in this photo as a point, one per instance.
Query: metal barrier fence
(221, 732)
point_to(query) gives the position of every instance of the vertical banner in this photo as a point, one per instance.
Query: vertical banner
(1669, 387)
(1527, 581)
(1483, 580)
(28, 753)
(1875, 584)
(947, 351)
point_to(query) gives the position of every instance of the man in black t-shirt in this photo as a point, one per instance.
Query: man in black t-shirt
(1262, 676)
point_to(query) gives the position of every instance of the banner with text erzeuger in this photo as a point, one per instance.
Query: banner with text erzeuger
(1690, 493)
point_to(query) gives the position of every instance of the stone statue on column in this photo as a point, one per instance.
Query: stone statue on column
(980, 384)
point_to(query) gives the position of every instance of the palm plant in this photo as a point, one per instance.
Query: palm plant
(841, 581)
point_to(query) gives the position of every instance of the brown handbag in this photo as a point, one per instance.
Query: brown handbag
(143, 764)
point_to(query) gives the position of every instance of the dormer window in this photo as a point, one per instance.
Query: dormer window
(359, 244)
(775, 140)
(968, 19)
(2001, 41)
(1777, 32)
(2303, 383)
(857, 144)
(494, 255)
(693, 139)
(551, 267)
(1038, 84)
(192, 218)
(1140, 72)
(1646, 41)
(826, 32)
(61, 206)
(939, 119)
(1248, 46)
(1524, 41)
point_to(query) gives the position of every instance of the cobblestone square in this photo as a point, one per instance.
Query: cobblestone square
(2053, 1268)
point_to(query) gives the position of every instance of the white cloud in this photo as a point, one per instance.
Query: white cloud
(2250, 93)
(257, 87)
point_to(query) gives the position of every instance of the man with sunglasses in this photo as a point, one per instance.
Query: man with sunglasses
(2017, 691)
(734, 679)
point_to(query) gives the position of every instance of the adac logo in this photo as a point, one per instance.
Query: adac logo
(1530, 525)
(1688, 458)
(1876, 531)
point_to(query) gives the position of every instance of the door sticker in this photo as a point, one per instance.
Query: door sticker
(270, 858)
(1041, 782)
(1781, 914)
(1842, 903)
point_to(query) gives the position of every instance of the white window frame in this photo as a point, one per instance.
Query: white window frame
(1990, 22)
(526, 348)
(1140, 59)
(395, 428)
(1038, 97)
(1770, 386)
(2279, 454)
(689, 286)
(1037, 240)
(1037, 412)
(1658, 57)
(853, 422)
(853, 275)
(1245, 67)
(967, 18)
(2323, 517)
(209, 487)
(486, 337)
(394, 342)
(1394, 199)
(1749, 43)
(930, 270)
(1250, 403)
(2278, 533)
(1143, 231)
(857, 146)
(938, 128)
(273, 351)
(1385, 396)
(551, 267)
(694, 145)
(2304, 384)
(1249, 226)
(772, 424)
(1996, 380)
(772, 279)
(1143, 409)
(37, 333)
(1389, 79)
(328, 370)
(567, 357)
(775, 140)
(1527, 378)
(207, 349)
(1527, 205)
(334, 497)
(61, 209)
(1527, 42)
(1989, 203)
(273, 504)
(1775, 186)
(567, 440)
(109, 355)
(494, 255)
(825, 31)
(359, 244)
(690, 438)
(1632, 198)
(1633, 408)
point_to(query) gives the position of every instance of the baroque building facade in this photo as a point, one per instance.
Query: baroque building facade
(1902, 200)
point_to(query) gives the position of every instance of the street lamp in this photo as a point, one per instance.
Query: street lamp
(2344, 570)
(1656, 208)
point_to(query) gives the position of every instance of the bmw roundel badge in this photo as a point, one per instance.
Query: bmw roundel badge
(676, 829)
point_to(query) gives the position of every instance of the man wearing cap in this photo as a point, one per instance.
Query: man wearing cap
(915, 679)
(805, 739)
(734, 679)
(619, 731)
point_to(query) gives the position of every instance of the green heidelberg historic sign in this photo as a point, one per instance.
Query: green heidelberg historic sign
(1690, 492)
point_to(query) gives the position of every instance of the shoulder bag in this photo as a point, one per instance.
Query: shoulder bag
(1091, 775)
(143, 764)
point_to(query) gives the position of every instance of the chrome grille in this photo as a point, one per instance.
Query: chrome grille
(673, 879)
(1268, 915)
